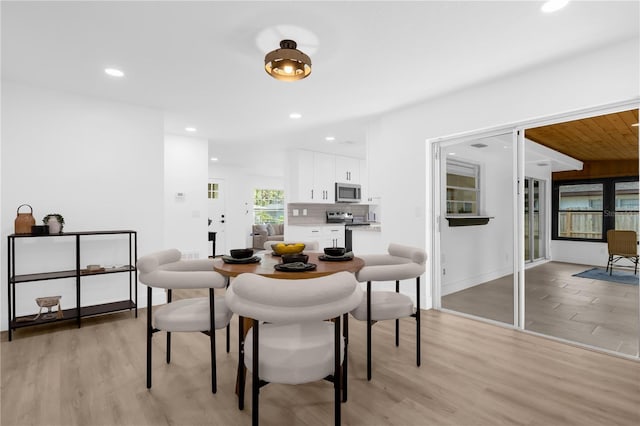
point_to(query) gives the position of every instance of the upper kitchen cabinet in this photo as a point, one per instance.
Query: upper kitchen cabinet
(312, 177)
(348, 169)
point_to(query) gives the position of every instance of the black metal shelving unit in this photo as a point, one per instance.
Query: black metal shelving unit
(78, 273)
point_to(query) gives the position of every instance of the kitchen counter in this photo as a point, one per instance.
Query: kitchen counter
(372, 227)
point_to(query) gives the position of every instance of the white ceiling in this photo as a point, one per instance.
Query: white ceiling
(200, 62)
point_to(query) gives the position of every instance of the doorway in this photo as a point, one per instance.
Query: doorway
(534, 220)
(567, 196)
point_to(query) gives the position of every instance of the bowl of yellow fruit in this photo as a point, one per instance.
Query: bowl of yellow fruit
(287, 248)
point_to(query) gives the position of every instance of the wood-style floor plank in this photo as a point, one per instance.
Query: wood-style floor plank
(472, 373)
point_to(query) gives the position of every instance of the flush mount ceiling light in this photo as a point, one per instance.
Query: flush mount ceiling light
(287, 63)
(551, 6)
(114, 72)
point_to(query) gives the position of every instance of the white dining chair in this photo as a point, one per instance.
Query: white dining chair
(401, 263)
(165, 269)
(290, 340)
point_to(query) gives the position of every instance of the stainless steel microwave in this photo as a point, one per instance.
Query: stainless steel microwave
(348, 193)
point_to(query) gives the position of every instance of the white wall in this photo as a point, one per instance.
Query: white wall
(99, 164)
(396, 141)
(186, 172)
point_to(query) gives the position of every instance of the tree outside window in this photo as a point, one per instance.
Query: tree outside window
(268, 206)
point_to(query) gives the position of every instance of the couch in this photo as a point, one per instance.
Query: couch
(267, 232)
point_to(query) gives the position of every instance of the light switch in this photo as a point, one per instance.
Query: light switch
(296, 212)
(304, 212)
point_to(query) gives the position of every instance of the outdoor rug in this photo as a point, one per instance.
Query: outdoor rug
(622, 277)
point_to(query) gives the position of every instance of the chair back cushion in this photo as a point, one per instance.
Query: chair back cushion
(152, 261)
(416, 255)
(286, 300)
(622, 243)
(164, 269)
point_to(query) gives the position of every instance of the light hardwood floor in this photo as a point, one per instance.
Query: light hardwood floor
(598, 313)
(472, 373)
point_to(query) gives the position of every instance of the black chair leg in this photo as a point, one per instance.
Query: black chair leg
(228, 325)
(149, 335)
(610, 265)
(168, 347)
(169, 298)
(241, 370)
(368, 330)
(337, 380)
(212, 341)
(418, 322)
(345, 363)
(397, 320)
(255, 385)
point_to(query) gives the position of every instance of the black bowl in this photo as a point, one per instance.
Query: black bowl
(241, 253)
(334, 251)
(294, 257)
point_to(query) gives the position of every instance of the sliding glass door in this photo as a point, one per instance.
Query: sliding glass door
(477, 226)
(534, 224)
(521, 233)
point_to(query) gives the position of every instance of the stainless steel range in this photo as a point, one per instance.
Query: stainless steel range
(349, 221)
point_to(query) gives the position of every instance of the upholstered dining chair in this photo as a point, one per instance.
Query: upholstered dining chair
(165, 269)
(622, 245)
(401, 263)
(291, 341)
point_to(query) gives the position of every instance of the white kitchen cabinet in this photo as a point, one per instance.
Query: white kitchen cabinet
(323, 234)
(312, 177)
(348, 170)
(324, 171)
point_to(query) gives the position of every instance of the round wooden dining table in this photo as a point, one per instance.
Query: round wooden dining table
(266, 267)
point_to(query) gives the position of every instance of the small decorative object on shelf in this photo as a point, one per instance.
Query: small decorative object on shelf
(55, 222)
(24, 221)
(49, 302)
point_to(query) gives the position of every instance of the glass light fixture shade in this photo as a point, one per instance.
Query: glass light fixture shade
(287, 63)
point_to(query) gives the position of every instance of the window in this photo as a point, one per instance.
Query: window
(586, 210)
(463, 188)
(580, 211)
(268, 206)
(213, 190)
(626, 206)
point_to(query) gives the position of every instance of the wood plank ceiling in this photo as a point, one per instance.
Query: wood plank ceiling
(601, 138)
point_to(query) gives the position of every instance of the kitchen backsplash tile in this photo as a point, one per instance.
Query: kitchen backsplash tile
(316, 213)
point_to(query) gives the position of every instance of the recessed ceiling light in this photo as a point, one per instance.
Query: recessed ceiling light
(330, 138)
(190, 129)
(114, 72)
(551, 6)
(214, 158)
(295, 115)
(479, 145)
(452, 153)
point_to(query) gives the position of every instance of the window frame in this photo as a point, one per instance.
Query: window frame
(477, 168)
(283, 210)
(608, 205)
